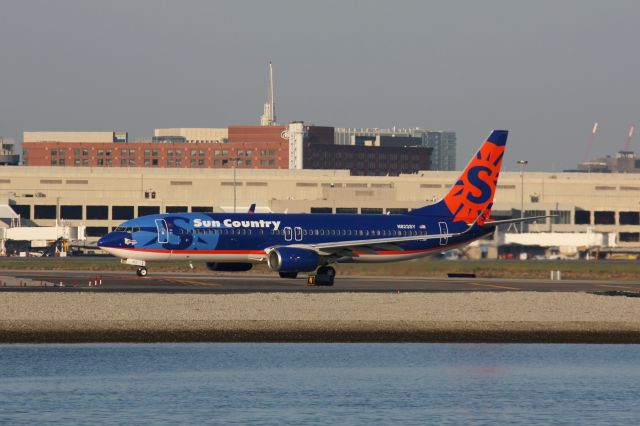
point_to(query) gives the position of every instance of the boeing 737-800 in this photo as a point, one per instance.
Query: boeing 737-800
(295, 243)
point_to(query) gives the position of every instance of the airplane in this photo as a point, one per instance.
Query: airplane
(294, 243)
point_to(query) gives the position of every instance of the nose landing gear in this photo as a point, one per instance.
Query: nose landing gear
(142, 271)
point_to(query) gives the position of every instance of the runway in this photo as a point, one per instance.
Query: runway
(72, 281)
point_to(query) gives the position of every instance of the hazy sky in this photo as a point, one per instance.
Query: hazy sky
(545, 70)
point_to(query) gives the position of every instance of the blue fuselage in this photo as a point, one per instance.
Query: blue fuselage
(248, 237)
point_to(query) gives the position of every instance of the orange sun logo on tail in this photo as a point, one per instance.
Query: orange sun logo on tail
(473, 193)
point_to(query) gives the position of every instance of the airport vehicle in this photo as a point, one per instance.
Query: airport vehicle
(295, 243)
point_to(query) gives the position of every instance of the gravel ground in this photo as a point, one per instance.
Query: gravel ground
(343, 317)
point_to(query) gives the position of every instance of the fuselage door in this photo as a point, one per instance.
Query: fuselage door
(163, 231)
(288, 234)
(444, 229)
(297, 233)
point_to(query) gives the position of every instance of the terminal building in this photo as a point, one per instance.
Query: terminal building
(602, 209)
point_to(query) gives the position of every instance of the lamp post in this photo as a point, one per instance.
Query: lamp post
(523, 165)
(235, 163)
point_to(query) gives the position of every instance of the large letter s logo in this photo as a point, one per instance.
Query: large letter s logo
(474, 179)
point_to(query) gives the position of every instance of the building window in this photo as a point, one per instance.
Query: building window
(96, 231)
(582, 217)
(217, 152)
(154, 152)
(132, 152)
(132, 162)
(263, 163)
(201, 163)
(147, 210)
(85, 152)
(346, 210)
(263, 152)
(71, 212)
(122, 212)
(321, 210)
(248, 162)
(562, 217)
(24, 210)
(44, 211)
(177, 209)
(147, 162)
(629, 237)
(54, 152)
(272, 163)
(201, 153)
(109, 162)
(76, 152)
(178, 163)
(629, 218)
(108, 153)
(85, 162)
(54, 162)
(100, 152)
(604, 218)
(123, 162)
(170, 153)
(178, 153)
(371, 210)
(97, 212)
(193, 152)
(272, 152)
(193, 163)
(76, 162)
(147, 152)
(225, 153)
(154, 162)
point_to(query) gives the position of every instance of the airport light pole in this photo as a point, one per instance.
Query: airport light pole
(235, 163)
(523, 165)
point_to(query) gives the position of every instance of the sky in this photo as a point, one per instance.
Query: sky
(546, 70)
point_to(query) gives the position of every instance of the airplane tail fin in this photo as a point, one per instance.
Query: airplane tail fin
(472, 195)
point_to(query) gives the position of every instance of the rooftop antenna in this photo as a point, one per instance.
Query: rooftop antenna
(587, 154)
(268, 117)
(632, 129)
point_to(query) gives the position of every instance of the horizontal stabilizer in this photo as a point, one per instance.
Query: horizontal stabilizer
(516, 220)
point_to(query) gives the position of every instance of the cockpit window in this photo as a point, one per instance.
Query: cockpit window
(127, 229)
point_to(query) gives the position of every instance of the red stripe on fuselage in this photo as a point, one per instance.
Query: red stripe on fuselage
(194, 251)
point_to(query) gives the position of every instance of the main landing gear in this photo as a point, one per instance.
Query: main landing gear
(142, 271)
(324, 276)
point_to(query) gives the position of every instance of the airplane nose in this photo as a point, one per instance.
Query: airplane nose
(112, 239)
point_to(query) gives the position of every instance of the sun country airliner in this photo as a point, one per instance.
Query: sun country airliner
(294, 243)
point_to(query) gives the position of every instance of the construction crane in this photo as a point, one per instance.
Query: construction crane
(592, 136)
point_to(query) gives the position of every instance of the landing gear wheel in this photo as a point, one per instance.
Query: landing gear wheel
(325, 275)
(142, 272)
(288, 274)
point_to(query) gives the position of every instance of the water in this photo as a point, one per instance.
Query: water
(319, 384)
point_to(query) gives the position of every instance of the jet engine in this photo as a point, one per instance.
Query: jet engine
(228, 267)
(292, 259)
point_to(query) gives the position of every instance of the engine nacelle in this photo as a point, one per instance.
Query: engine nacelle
(292, 259)
(228, 267)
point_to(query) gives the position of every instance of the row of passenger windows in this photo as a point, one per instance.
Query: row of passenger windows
(320, 232)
